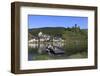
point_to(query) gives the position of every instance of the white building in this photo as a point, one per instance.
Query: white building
(43, 37)
(34, 39)
(55, 39)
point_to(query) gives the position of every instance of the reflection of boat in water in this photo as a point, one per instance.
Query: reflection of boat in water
(54, 50)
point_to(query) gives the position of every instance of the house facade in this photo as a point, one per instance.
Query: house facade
(45, 37)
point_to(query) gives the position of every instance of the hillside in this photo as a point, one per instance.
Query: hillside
(53, 31)
(47, 30)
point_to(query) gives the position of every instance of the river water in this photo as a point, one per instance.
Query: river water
(37, 51)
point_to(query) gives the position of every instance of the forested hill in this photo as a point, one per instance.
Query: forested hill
(63, 32)
(47, 30)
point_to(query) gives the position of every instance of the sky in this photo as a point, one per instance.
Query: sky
(38, 21)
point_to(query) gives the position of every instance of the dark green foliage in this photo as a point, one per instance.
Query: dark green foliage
(76, 40)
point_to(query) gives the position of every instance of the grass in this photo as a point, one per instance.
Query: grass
(73, 56)
(78, 55)
(42, 57)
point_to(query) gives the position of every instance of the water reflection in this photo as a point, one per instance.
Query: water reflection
(36, 45)
(56, 50)
(47, 48)
(42, 47)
